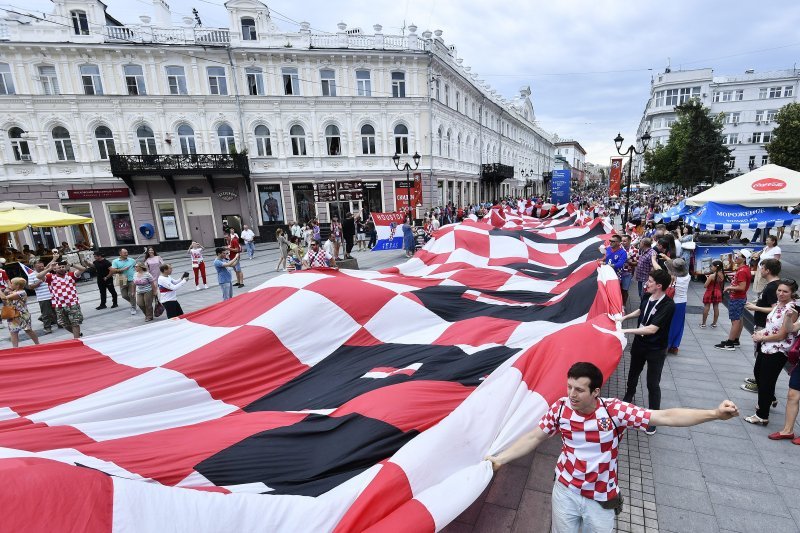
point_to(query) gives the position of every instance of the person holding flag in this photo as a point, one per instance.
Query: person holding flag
(43, 296)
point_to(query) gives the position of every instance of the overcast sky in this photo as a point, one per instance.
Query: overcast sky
(588, 62)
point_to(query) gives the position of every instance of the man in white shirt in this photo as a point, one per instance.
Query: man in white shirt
(43, 296)
(248, 236)
(328, 246)
(296, 230)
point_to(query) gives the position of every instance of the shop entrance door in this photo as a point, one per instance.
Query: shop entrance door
(201, 221)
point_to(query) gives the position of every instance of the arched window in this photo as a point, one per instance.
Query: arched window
(80, 23)
(249, 29)
(367, 139)
(447, 143)
(147, 141)
(227, 144)
(263, 144)
(186, 140)
(105, 142)
(19, 146)
(298, 137)
(441, 139)
(401, 139)
(458, 147)
(63, 144)
(333, 140)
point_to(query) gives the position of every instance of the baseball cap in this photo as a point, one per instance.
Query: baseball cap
(744, 252)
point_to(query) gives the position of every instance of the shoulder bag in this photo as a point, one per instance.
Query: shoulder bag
(9, 312)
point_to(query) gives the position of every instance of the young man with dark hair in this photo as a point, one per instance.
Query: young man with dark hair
(221, 264)
(651, 337)
(585, 492)
(738, 297)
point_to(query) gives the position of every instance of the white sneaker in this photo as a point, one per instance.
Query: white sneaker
(133, 311)
(205, 286)
(198, 288)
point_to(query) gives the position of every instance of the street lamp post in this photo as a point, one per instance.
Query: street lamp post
(408, 169)
(630, 152)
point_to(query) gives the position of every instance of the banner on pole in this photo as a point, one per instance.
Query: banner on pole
(615, 177)
(559, 186)
(401, 190)
(389, 227)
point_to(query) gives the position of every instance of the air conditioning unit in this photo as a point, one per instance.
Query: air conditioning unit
(25, 157)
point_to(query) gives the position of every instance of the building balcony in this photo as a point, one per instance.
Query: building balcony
(126, 167)
(496, 172)
(149, 34)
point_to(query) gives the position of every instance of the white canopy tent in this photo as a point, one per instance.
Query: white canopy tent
(767, 186)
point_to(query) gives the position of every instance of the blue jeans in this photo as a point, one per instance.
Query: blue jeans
(227, 290)
(625, 281)
(571, 512)
(250, 246)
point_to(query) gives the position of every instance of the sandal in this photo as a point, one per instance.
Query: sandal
(755, 419)
(714, 325)
(703, 326)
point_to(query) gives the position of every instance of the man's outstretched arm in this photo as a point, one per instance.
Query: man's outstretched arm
(520, 448)
(681, 417)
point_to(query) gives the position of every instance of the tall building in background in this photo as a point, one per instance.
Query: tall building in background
(575, 156)
(191, 129)
(748, 101)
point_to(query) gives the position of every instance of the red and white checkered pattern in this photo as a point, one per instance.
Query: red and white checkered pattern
(588, 461)
(144, 411)
(63, 290)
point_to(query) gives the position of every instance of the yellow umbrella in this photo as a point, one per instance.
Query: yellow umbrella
(15, 216)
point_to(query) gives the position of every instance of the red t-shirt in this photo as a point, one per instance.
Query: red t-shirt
(742, 274)
(234, 247)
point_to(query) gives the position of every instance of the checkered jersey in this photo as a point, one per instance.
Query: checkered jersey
(63, 289)
(588, 461)
(633, 255)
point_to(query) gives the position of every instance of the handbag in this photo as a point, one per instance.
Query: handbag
(120, 280)
(793, 354)
(158, 310)
(9, 312)
(670, 292)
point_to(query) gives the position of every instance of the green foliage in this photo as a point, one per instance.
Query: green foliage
(694, 152)
(784, 150)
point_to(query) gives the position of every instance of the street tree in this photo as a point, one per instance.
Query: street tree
(784, 149)
(694, 152)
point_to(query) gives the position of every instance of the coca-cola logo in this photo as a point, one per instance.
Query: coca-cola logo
(768, 184)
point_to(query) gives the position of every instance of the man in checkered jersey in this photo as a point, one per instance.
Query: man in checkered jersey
(64, 294)
(585, 492)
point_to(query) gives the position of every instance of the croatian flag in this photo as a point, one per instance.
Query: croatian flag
(390, 231)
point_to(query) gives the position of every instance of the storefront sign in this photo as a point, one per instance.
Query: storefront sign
(227, 195)
(194, 190)
(92, 194)
(768, 184)
(325, 191)
(350, 190)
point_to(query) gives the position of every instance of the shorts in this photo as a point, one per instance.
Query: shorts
(794, 378)
(735, 308)
(69, 316)
(625, 281)
(238, 266)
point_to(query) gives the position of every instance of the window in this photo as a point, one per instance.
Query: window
(363, 83)
(49, 80)
(176, 79)
(367, 139)
(79, 231)
(255, 81)
(147, 141)
(752, 162)
(401, 139)
(186, 140)
(168, 219)
(437, 85)
(398, 84)
(730, 138)
(732, 118)
(440, 136)
(774, 92)
(227, 144)
(447, 143)
(764, 160)
(249, 29)
(724, 96)
(90, 76)
(291, 81)
(738, 95)
(333, 140)
(80, 24)
(767, 137)
(217, 82)
(756, 138)
(458, 147)
(771, 115)
(447, 95)
(134, 79)
(687, 93)
(105, 142)
(328, 77)
(19, 146)
(6, 81)
(120, 216)
(298, 137)
(669, 122)
(760, 115)
(63, 144)
(788, 91)
(458, 100)
(263, 143)
(658, 98)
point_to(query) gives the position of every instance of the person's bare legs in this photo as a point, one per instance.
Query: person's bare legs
(706, 309)
(716, 313)
(76, 331)
(792, 405)
(32, 335)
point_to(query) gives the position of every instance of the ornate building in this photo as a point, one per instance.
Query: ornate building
(189, 129)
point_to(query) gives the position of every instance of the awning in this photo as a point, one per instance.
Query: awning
(15, 216)
(720, 217)
(676, 212)
(770, 185)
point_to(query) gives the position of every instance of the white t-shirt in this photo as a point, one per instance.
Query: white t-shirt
(678, 248)
(328, 247)
(682, 289)
(769, 253)
(248, 235)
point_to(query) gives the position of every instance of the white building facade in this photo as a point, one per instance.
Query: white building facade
(190, 129)
(748, 102)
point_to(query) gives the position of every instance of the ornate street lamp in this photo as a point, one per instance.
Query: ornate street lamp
(630, 152)
(408, 168)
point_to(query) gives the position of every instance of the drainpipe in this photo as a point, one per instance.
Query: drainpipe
(244, 133)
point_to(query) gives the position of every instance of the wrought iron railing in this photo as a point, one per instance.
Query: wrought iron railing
(179, 164)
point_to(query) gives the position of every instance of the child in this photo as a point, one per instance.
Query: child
(713, 295)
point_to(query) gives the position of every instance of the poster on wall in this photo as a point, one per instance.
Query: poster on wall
(615, 176)
(123, 228)
(560, 186)
(170, 226)
(269, 197)
(303, 194)
(401, 190)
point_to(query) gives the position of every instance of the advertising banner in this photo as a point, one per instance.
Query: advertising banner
(269, 197)
(389, 227)
(559, 186)
(615, 177)
(401, 189)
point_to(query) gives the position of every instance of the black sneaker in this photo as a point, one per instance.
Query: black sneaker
(651, 430)
(114, 305)
(99, 307)
(725, 345)
(735, 343)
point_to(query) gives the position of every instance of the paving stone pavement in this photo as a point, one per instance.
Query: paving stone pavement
(256, 271)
